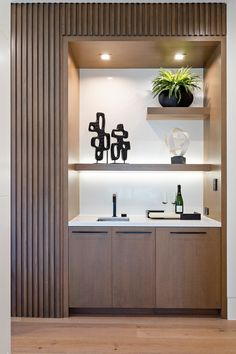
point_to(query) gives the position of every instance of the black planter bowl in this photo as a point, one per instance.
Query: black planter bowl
(166, 101)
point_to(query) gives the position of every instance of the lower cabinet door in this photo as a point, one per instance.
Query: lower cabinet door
(90, 267)
(188, 268)
(133, 259)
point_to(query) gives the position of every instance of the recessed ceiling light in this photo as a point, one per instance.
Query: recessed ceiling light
(105, 56)
(179, 56)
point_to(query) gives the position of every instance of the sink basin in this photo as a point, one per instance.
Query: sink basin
(113, 218)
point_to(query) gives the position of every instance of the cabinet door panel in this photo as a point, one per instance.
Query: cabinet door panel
(90, 267)
(188, 263)
(133, 254)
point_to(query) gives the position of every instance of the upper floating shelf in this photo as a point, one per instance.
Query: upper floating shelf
(170, 113)
(138, 167)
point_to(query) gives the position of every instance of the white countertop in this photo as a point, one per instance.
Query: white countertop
(141, 220)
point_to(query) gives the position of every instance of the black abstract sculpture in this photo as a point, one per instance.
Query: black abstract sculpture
(101, 142)
(120, 147)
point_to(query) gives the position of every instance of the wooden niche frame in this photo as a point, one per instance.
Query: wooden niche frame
(39, 65)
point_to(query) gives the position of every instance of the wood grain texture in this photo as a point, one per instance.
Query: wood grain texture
(73, 133)
(224, 182)
(36, 121)
(123, 334)
(149, 52)
(215, 149)
(40, 128)
(133, 267)
(213, 79)
(188, 268)
(189, 113)
(138, 167)
(139, 19)
(90, 267)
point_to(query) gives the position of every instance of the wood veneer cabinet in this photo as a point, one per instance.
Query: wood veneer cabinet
(90, 267)
(133, 259)
(145, 268)
(188, 268)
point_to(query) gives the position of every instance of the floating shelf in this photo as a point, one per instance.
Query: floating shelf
(138, 167)
(170, 113)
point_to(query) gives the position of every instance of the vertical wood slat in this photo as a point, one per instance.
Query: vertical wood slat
(58, 168)
(100, 19)
(37, 126)
(67, 18)
(18, 163)
(73, 19)
(40, 104)
(162, 17)
(35, 233)
(213, 20)
(190, 20)
(13, 164)
(24, 196)
(218, 20)
(29, 164)
(45, 162)
(112, 18)
(202, 17)
(90, 20)
(195, 20)
(51, 158)
(223, 21)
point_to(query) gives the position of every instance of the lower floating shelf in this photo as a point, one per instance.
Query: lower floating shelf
(139, 167)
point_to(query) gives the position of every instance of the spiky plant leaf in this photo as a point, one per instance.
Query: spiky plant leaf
(173, 81)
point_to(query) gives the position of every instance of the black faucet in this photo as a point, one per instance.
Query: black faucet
(114, 205)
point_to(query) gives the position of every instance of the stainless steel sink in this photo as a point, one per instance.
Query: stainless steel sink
(113, 218)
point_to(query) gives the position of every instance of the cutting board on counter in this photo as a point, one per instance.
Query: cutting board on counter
(160, 214)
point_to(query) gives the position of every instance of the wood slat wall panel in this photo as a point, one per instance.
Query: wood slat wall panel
(39, 145)
(117, 19)
(36, 155)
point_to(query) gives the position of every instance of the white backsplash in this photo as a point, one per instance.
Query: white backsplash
(124, 95)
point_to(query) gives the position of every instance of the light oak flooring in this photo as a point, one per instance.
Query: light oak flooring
(140, 335)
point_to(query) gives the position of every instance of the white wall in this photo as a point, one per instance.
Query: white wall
(231, 147)
(124, 95)
(4, 176)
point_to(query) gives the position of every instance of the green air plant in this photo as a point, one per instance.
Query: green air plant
(175, 81)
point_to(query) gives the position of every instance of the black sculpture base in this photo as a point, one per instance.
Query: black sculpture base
(178, 160)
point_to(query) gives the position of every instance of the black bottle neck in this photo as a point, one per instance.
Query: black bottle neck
(179, 189)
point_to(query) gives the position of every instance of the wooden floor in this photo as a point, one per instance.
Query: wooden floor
(140, 335)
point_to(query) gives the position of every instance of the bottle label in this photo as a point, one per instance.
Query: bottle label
(179, 208)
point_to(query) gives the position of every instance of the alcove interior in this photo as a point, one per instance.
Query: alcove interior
(149, 53)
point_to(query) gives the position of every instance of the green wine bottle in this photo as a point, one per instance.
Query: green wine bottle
(179, 203)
